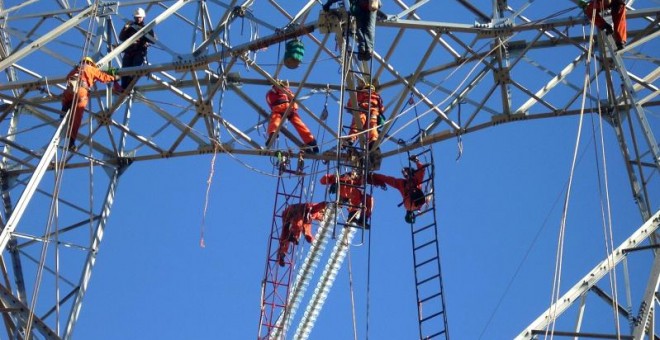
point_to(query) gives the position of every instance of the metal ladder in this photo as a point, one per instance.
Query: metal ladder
(276, 283)
(431, 311)
(354, 158)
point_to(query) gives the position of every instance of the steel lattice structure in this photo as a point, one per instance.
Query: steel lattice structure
(202, 93)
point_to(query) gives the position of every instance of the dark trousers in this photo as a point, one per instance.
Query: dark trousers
(366, 29)
(130, 60)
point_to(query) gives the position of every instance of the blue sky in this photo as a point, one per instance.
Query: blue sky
(499, 209)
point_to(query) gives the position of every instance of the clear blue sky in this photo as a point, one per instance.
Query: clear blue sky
(498, 207)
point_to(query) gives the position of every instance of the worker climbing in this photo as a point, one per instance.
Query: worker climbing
(410, 187)
(279, 99)
(350, 195)
(365, 12)
(594, 8)
(79, 81)
(369, 102)
(136, 53)
(296, 220)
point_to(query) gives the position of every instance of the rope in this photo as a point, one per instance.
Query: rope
(53, 214)
(352, 293)
(368, 307)
(209, 181)
(562, 230)
(606, 212)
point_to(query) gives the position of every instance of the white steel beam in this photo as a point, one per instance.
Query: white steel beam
(30, 188)
(91, 256)
(46, 38)
(603, 268)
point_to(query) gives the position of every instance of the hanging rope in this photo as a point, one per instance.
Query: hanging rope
(459, 135)
(209, 181)
(556, 284)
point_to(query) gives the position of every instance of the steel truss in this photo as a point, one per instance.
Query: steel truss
(498, 69)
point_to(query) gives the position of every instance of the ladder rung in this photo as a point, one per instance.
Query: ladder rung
(428, 279)
(434, 335)
(358, 72)
(424, 245)
(424, 228)
(425, 262)
(431, 316)
(430, 297)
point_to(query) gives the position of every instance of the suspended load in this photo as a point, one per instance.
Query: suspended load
(295, 50)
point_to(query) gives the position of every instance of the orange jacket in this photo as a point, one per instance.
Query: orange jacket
(88, 75)
(278, 100)
(405, 186)
(364, 99)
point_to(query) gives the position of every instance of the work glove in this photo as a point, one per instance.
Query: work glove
(413, 158)
(333, 188)
(111, 71)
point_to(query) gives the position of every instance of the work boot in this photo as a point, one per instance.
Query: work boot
(364, 56)
(293, 239)
(280, 260)
(72, 147)
(312, 147)
(608, 29)
(270, 137)
(353, 217)
(620, 45)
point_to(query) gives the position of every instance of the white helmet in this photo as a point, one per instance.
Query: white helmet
(139, 13)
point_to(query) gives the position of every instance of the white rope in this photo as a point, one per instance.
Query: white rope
(556, 284)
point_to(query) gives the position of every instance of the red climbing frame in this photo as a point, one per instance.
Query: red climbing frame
(277, 280)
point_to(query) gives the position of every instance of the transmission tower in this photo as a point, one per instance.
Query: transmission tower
(468, 65)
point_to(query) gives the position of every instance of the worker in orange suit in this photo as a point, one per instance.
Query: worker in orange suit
(369, 101)
(410, 187)
(349, 192)
(279, 99)
(593, 8)
(297, 219)
(79, 81)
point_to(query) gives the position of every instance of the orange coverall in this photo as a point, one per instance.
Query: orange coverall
(405, 186)
(86, 75)
(297, 219)
(350, 193)
(375, 109)
(618, 10)
(278, 101)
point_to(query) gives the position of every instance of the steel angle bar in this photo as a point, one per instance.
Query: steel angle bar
(143, 31)
(404, 92)
(30, 188)
(598, 272)
(99, 231)
(554, 81)
(24, 313)
(46, 38)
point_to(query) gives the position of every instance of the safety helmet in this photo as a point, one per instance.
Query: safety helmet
(139, 13)
(88, 60)
(410, 217)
